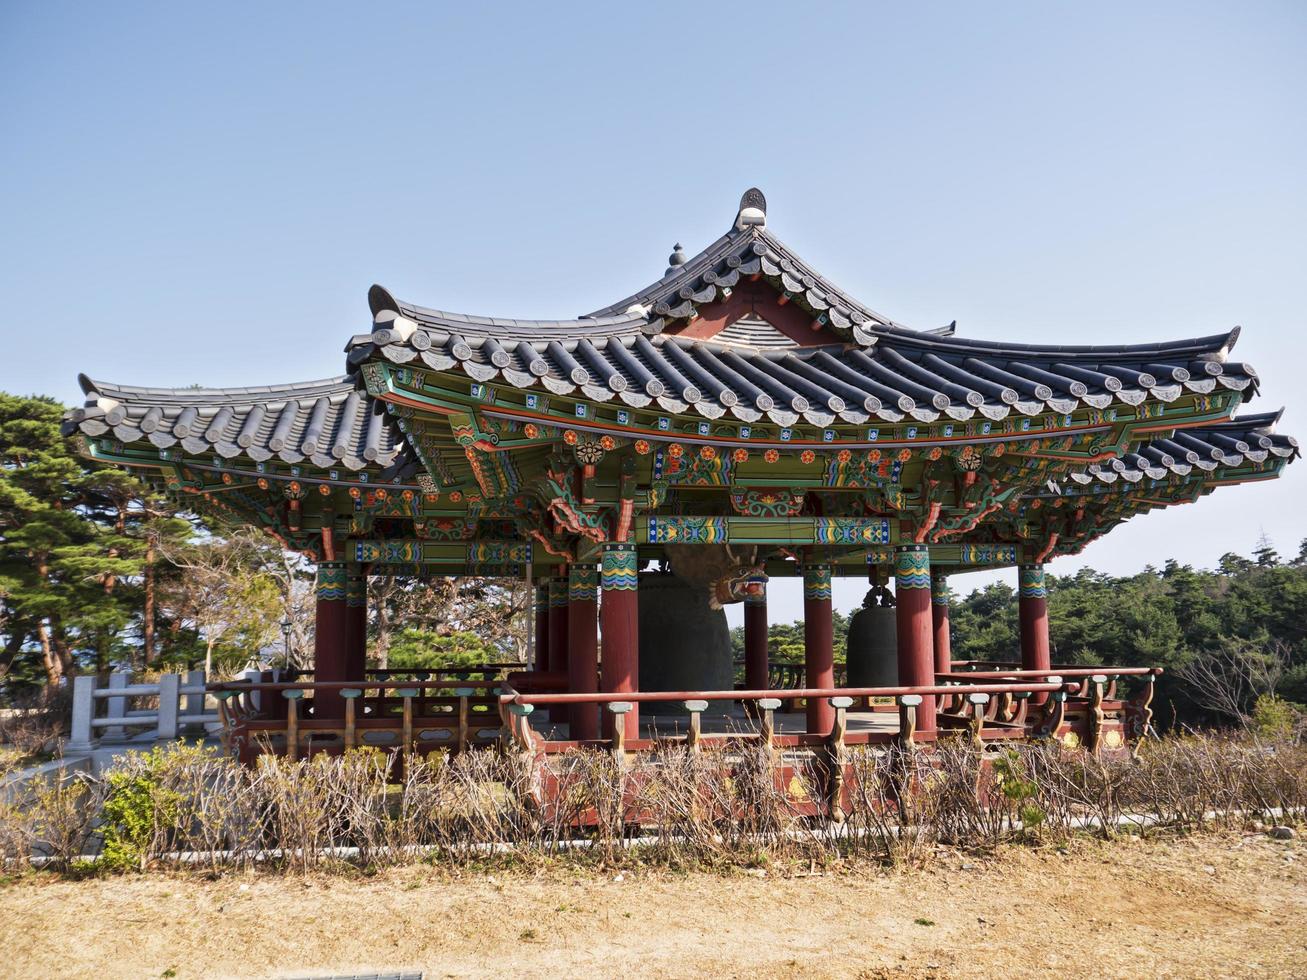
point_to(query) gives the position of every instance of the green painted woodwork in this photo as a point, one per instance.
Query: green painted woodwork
(620, 571)
(939, 590)
(504, 490)
(912, 567)
(1031, 582)
(583, 582)
(356, 588)
(332, 581)
(817, 582)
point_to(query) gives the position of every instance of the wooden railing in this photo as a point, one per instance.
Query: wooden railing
(517, 707)
(482, 672)
(1079, 703)
(410, 716)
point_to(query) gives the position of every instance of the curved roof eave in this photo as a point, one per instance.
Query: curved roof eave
(325, 423)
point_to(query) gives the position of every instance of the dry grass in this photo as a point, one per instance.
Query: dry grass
(1203, 906)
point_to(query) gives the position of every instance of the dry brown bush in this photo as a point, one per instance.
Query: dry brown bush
(724, 804)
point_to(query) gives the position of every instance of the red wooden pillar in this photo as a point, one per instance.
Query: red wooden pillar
(583, 638)
(818, 645)
(755, 635)
(329, 637)
(939, 610)
(541, 661)
(356, 624)
(912, 616)
(558, 638)
(619, 613)
(1032, 609)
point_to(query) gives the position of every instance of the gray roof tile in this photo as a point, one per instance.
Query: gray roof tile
(326, 423)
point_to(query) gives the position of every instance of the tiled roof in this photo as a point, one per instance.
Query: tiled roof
(876, 368)
(1243, 439)
(329, 423)
(906, 373)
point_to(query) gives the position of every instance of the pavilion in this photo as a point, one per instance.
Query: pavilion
(740, 418)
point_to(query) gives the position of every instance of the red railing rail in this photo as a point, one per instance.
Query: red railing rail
(967, 675)
(351, 685)
(646, 697)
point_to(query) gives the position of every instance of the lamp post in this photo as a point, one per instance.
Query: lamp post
(286, 626)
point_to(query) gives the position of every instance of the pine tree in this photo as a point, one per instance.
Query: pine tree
(73, 549)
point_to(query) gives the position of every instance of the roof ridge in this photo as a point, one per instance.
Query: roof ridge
(1213, 344)
(342, 382)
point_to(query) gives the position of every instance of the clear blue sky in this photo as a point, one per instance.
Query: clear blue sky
(203, 193)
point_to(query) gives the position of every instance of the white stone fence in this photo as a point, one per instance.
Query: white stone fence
(104, 714)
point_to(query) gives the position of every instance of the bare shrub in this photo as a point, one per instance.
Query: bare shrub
(63, 814)
(358, 801)
(17, 835)
(732, 801)
(33, 725)
(885, 819)
(297, 794)
(217, 813)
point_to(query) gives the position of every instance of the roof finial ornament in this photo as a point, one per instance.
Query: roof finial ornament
(676, 259)
(753, 210)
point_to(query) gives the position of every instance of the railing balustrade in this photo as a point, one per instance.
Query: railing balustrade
(180, 703)
(412, 716)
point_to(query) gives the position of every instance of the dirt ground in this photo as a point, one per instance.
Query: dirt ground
(1227, 906)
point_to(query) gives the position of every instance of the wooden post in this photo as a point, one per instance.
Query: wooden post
(1032, 611)
(350, 695)
(1094, 736)
(463, 694)
(329, 643)
(976, 718)
(913, 619)
(835, 759)
(619, 614)
(695, 734)
(901, 775)
(1139, 715)
(1054, 713)
(755, 635)
(619, 709)
(356, 624)
(406, 734)
(521, 725)
(226, 720)
(939, 613)
(908, 705)
(818, 645)
(558, 640)
(767, 732)
(292, 723)
(583, 639)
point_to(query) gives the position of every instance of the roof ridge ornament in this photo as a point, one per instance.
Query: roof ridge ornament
(677, 259)
(753, 210)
